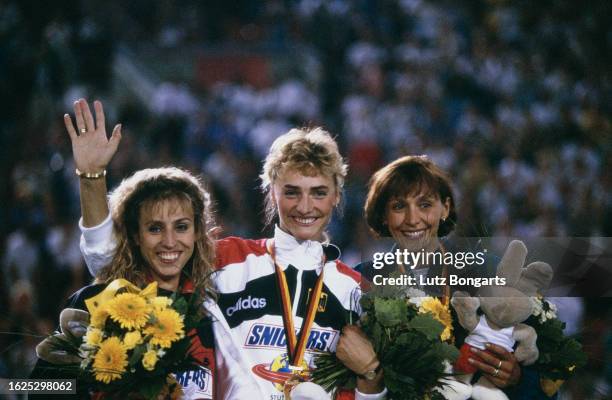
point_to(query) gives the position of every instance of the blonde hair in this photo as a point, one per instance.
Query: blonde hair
(146, 188)
(311, 151)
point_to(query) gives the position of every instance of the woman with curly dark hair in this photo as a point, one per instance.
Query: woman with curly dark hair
(162, 223)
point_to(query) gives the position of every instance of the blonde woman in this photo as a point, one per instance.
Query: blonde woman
(265, 287)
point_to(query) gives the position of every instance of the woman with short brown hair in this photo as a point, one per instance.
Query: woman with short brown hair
(405, 176)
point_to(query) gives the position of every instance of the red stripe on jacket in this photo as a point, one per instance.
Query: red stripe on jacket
(232, 250)
(348, 271)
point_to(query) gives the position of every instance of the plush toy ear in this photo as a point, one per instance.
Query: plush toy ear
(535, 277)
(512, 263)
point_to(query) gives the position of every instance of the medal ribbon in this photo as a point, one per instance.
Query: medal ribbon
(296, 346)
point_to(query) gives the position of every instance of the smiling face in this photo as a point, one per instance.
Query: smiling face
(166, 237)
(413, 220)
(304, 203)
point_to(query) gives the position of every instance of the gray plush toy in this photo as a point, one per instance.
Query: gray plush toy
(72, 321)
(504, 308)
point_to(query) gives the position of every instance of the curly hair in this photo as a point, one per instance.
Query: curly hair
(148, 187)
(311, 151)
(409, 174)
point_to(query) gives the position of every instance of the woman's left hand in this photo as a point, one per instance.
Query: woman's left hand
(91, 148)
(356, 352)
(498, 365)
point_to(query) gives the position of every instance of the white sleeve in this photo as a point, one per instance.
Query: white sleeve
(373, 396)
(233, 379)
(97, 245)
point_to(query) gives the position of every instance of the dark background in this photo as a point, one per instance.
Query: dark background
(512, 98)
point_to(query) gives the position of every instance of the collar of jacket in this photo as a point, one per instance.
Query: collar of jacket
(305, 255)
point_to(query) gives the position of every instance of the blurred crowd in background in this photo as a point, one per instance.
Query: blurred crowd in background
(511, 98)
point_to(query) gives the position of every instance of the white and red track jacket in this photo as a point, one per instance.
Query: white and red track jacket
(249, 313)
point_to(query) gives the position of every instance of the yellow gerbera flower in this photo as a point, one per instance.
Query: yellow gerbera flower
(149, 359)
(160, 302)
(93, 337)
(129, 310)
(440, 312)
(110, 360)
(167, 327)
(131, 339)
(98, 317)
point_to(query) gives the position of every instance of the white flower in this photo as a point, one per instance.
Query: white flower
(551, 310)
(85, 363)
(543, 309)
(538, 307)
(415, 296)
(160, 353)
(414, 292)
(86, 351)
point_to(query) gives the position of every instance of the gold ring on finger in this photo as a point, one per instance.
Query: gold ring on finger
(496, 372)
(499, 365)
(83, 130)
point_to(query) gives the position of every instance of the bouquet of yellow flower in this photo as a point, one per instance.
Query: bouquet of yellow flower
(134, 341)
(411, 335)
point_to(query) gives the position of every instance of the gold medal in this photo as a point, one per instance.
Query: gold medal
(296, 346)
(290, 383)
(299, 375)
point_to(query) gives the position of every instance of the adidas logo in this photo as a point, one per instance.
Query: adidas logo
(245, 304)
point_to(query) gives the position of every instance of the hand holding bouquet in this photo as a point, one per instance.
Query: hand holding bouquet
(134, 341)
(409, 332)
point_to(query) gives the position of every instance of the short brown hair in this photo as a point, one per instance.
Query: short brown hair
(409, 174)
(309, 151)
